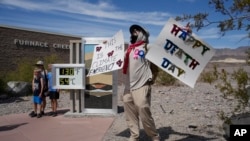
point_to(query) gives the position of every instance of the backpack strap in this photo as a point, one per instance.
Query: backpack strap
(45, 75)
(46, 87)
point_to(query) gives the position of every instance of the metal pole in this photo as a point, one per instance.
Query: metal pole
(83, 62)
(78, 97)
(72, 95)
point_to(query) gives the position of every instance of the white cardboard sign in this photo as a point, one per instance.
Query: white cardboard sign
(108, 56)
(179, 53)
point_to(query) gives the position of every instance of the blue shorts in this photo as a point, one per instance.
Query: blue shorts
(37, 100)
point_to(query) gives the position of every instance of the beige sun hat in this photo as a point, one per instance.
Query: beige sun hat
(137, 27)
(39, 62)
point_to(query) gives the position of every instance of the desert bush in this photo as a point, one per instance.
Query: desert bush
(238, 91)
(165, 79)
(25, 66)
(224, 117)
(230, 85)
(52, 59)
(209, 76)
(23, 72)
(2, 86)
(234, 85)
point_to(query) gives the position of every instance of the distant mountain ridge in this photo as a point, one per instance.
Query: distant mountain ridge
(236, 53)
(220, 54)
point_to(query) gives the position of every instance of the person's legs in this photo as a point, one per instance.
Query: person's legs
(52, 103)
(142, 100)
(35, 101)
(54, 107)
(43, 105)
(39, 106)
(35, 109)
(33, 113)
(53, 97)
(38, 109)
(56, 102)
(132, 118)
(56, 98)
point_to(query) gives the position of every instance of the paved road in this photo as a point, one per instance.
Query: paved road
(21, 127)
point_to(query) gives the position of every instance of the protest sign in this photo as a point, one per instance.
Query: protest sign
(108, 56)
(181, 54)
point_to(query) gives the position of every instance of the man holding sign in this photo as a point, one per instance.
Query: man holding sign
(137, 95)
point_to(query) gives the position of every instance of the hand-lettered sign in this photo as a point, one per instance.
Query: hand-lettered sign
(108, 56)
(179, 53)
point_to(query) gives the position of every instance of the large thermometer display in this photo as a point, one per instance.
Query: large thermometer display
(68, 76)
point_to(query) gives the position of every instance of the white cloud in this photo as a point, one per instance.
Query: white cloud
(102, 10)
(208, 33)
(85, 18)
(213, 33)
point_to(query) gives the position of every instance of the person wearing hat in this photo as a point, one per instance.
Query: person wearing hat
(40, 64)
(137, 94)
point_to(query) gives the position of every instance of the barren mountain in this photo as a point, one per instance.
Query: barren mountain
(237, 53)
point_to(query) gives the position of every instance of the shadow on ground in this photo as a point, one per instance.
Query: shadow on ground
(10, 127)
(165, 132)
(62, 112)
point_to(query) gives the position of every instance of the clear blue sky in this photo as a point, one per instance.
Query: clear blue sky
(103, 18)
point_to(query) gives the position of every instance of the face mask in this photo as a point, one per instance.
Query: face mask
(141, 37)
(133, 39)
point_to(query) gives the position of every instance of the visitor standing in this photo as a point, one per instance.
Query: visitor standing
(37, 88)
(53, 93)
(40, 65)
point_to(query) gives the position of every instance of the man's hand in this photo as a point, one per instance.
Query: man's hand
(188, 28)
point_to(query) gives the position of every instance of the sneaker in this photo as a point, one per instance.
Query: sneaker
(32, 114)
(39, 115)
(54, 114)
(50, 113)
(42, 113)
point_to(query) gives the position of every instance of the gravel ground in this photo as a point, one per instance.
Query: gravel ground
(15, 105)
(180, 112)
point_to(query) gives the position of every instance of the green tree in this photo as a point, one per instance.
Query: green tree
(236, 15)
